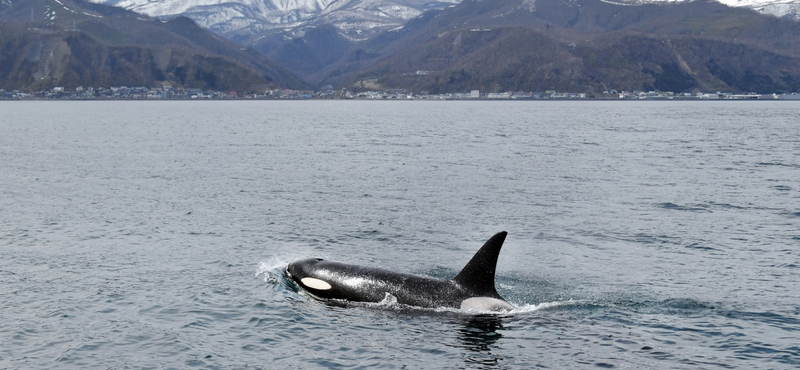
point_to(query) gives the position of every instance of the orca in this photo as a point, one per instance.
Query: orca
(472, 289)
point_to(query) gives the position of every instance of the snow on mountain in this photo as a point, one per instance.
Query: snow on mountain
(246, 19)
(779, 8)
(249, 20)
(158, 8)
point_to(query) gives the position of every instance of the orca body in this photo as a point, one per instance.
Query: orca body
(473, 288)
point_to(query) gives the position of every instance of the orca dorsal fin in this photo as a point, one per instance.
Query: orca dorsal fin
(478, 275)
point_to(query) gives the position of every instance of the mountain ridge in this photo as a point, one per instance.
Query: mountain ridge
(498, 45)
(69, 43)
(587, 45)
(248, 20)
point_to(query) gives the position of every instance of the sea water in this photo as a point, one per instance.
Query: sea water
(642, 235)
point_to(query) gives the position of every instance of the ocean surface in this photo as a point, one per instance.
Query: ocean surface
(642, 235)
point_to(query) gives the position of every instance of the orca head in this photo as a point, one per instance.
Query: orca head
(305, 273)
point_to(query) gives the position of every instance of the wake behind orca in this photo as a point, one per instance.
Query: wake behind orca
(472, 289)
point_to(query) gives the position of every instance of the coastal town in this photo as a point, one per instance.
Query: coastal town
(171, 93)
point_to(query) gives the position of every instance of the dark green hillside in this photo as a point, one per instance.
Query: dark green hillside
(575, 45)
(94, 45)
(512, 59)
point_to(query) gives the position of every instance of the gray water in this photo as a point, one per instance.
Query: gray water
(153, 235)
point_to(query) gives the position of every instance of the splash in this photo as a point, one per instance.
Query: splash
(528, 308)
(271, 269)
(390, 303)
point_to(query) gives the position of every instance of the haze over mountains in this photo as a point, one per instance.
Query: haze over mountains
(491, 45)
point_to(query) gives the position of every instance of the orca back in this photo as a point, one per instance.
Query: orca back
(478, 275)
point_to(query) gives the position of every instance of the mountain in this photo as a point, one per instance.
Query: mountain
(248, 21)
(579, 45)
(491, 45)
(47, 43)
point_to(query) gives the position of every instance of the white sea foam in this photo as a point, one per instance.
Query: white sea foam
(270, 269)
(545, 306)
